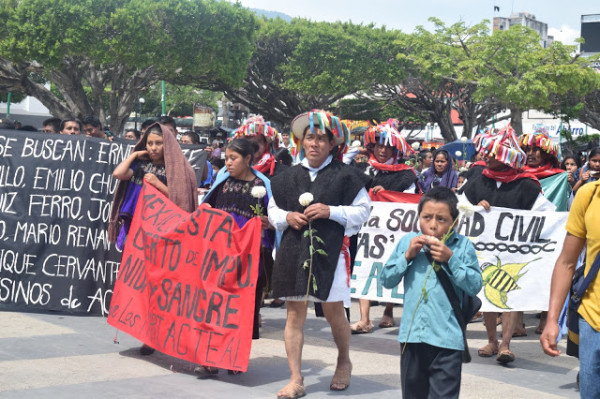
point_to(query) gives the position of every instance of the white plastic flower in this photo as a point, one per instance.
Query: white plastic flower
(305, 199)
(465, 207)
(463, 139)
(258, 192)
(458, 153)
(416, 145)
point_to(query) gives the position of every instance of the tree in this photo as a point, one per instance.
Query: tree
(102, 56)
(432, 86)
(513, 70)
(303, 65)
(179, 100)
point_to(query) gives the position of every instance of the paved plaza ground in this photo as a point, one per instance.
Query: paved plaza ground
(61, 356)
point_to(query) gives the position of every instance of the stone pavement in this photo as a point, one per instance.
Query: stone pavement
(61, 356)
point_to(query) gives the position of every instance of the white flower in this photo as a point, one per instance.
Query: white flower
(463, 139)
(258, 192)
(465, 208)
(305, 199)
(458, 153)
(463, 169)
(416, 145)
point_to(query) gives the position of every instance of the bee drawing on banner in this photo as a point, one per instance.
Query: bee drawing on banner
(499, 280)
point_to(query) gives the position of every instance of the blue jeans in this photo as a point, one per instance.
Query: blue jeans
(589, 360)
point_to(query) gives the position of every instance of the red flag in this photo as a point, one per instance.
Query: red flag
(395, 196)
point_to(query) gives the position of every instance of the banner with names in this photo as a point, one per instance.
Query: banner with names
(55, 200)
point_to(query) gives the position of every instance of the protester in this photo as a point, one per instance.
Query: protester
(440, 173)
(145, 124)
(581, 232)
(542, 162)
(425, 160)
(590, 171)
(70, 126)
(431, 360)
(236, 191)
(335, 204)
(503, 184)
(256, 129)
(386, 147)
(157, 160)
(206, 177)
(92, 127)
(51, 125)
(571, 164)
(132, 134)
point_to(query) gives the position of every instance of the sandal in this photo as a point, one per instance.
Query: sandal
(387, 322)
(292, 391)
(341, 379)
(489, 350)
(505, 356)
(359, 328)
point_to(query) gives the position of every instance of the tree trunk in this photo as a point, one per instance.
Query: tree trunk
(516, 120)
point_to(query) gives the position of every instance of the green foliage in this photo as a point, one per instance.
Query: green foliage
(332, 58)
(14, 97)
(180, 100)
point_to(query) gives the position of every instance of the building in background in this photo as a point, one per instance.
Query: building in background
(590, 32)
(525, 19)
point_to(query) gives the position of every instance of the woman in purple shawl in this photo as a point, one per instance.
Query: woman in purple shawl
(440, 173)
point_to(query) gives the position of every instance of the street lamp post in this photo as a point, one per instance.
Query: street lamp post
(138, 112)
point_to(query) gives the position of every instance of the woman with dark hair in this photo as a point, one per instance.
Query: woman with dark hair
(156, 160)
(236, 191)
(440, 173)
(590, 171)
(571, 164)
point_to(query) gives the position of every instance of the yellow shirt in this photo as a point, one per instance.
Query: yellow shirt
(584, 222)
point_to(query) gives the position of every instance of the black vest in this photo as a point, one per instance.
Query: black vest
(336, 184)
(518, 194)
(393, 181)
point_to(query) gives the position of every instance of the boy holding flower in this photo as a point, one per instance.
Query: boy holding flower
(430, 335)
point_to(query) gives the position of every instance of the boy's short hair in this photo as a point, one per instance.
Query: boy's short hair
(441, 194)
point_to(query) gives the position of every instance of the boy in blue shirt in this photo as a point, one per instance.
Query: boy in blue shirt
(430, 336)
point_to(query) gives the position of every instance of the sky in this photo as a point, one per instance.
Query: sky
(563, 17)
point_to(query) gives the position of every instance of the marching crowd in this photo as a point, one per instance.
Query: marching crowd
(312, 180)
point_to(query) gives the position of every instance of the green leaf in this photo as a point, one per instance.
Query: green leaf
(319, 239)
(322, 252)
(306, 233)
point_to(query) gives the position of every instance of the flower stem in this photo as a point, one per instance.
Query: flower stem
(310, 262)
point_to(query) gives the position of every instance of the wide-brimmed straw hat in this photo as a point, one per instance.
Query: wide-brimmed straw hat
(323, 120)
(503, 146)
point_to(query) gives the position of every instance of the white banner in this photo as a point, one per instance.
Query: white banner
(516, 251)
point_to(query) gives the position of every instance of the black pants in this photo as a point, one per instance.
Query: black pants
(430, 372)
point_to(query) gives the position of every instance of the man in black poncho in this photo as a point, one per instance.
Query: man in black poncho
(323, 195)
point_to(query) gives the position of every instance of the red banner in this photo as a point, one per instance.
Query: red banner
(186, 284)
(395, 196)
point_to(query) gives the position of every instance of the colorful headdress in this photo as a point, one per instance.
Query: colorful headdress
(255, 126)
(322, 120)
(503, 146)
(387, 134)
(540, 139)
